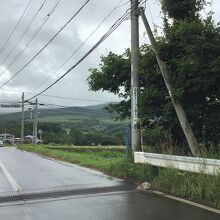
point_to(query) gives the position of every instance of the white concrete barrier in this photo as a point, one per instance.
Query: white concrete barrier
(191, 164)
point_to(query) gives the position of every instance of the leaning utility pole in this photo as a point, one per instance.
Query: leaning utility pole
(187, 129)
(135, 89)
(22, 119)
(35, 122)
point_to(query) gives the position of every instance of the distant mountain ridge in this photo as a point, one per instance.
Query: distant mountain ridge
(87, 111)
(91, 121)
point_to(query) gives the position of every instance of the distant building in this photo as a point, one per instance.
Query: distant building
(29, 139)
(8, 138)
(17, 140)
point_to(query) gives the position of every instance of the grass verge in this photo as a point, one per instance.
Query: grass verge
(200, 187)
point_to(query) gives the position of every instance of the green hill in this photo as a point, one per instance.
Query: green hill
(87, 119)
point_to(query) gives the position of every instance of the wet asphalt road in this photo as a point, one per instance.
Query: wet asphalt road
(33, 173)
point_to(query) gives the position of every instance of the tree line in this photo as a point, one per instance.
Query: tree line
(54, 133)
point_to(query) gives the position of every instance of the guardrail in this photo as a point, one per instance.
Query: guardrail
(191, 164)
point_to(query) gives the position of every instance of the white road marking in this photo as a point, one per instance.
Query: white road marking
(10, 178)
(187, 202)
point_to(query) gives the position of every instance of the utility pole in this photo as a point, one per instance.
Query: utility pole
(22, 119)
(35, 122)
(135, 89)
(187, 129)
(32, 117)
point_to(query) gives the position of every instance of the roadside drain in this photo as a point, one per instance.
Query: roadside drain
(62, 193)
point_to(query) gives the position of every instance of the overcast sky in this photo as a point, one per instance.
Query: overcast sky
(74, 84)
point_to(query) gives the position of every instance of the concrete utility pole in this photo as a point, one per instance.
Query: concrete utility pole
(22, 119)
(135, 89)
(33, 127)
(187, 129)
(35, 122)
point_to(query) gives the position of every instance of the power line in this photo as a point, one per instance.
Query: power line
(33, 37)
(124, 17)
(65, 1)
(77, 109)
(83, 43)
(15, 27)
(79, 99)
(59, 97)
(114, 26)
(151, 14)
(106, 35)
(6, 102)
(25, 31)
(79, 10)
(70, 109)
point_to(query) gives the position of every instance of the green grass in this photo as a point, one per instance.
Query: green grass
(100, 160)
(88, 149)
(199, 187)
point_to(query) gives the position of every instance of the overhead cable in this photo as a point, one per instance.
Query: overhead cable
(14, 75)
(33, 37)
(103, 38)
(58, 97)
(77, 108)
(124, 17)
(15, 27)
(83, 43)
(23, 34)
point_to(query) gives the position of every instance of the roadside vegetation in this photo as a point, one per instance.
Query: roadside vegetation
(200, 187)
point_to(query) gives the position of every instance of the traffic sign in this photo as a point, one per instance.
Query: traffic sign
(11, 105)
